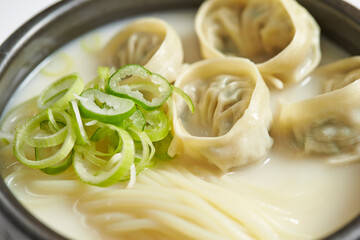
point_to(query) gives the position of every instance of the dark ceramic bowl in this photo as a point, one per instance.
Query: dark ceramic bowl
(66, 20)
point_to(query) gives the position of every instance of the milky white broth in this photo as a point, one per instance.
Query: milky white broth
(314, 199)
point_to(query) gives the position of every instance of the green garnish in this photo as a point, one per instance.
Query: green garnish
(148, 90)
(58, 95)
(97, 105)
(30, 134)
(107, 132)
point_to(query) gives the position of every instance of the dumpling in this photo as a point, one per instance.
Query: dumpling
(328, 124)
(149, 42)
(280, 36)
(339, 74)
(232, 114)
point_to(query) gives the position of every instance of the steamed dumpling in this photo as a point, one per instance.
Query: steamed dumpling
(149, 42)
(279, 35)
(339, 74)
(232, 114)
(328, 124)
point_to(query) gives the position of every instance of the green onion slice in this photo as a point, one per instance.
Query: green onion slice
(81, 135)
(137, 121)
(19, 115)
(104, 107)
(58, 65)
(21, 140)
(148, 90)
(90, 122)
(58, 95)
(186, 98)
(111, 139)
(98, 161)
(104, 141)
(145, 153)
(99, 134)
(157, 126)
(45, 140)
(91, 44)
(53, 124)
(132, 179)
(100, 82)
(116, 168)
(103, 76)
(57, 168)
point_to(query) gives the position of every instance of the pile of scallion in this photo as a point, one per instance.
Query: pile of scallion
(108, 132)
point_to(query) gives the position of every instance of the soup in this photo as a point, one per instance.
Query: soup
(282, 196)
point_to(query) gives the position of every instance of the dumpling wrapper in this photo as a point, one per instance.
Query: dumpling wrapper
(232, 113)
(279, 35)
(327, 124)
(149, 42)
(338, 74)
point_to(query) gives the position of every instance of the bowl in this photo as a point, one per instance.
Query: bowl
(66, 20)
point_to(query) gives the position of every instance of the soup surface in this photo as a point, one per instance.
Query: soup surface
(286, 196)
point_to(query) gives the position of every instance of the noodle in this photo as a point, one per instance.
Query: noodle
(170, 201)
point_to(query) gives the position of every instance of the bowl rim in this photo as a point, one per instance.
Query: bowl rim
(13, 214)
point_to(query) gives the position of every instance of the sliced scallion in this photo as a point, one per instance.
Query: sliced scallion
(56, 168)
(108, 133)
(81, 135)
(186, 98)
(148, 90)
(58, 94)
(145, 153)
(116, 168)
(21, 139)
(106, 108)
(157, 126)
(136, 120)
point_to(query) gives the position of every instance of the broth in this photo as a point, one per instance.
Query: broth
(299, 196)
